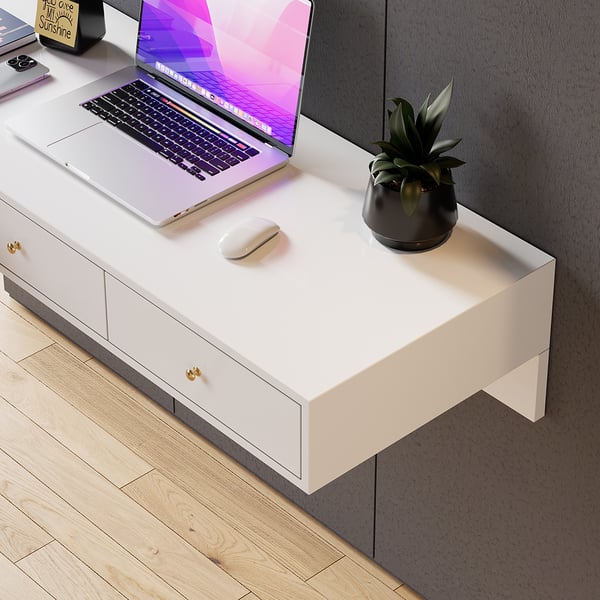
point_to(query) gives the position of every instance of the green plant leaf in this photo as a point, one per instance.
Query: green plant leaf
(381, 165)
(446, 178)
(402, 164)
(443, 146)
(398, 124)
(411, 132)
(380, 156)
(389, 149)
(434, 170)
(410, 194)
(415, 171)
(385, 177)
(449, 162)
(407, 104)
(421, 116)
(435, 116)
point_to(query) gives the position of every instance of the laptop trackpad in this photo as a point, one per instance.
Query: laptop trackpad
(125, 170)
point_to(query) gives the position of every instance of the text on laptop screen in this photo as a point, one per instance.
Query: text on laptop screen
(245, 56)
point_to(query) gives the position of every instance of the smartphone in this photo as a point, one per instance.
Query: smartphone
(20, 71)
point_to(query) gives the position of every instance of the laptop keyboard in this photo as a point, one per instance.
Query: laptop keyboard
(170, 130)
(280, 121)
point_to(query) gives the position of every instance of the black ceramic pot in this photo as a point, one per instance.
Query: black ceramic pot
(430, 224)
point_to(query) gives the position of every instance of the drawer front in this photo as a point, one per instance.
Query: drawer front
(228, 391)
(52, 268)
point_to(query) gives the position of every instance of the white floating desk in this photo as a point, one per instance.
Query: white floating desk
(316, 352)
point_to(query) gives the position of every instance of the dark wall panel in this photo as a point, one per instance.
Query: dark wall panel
(344, 77)
(482, 504)
(129, 7)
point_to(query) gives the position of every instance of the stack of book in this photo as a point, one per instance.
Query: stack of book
(14, 33)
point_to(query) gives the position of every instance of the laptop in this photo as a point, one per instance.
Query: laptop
(210, 105)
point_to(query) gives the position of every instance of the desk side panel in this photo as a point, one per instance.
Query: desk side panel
(395, 397)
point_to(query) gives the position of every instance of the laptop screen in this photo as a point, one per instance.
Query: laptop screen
(245, 57)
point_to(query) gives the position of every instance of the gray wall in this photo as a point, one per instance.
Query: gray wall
(130, 7)
(481, 504)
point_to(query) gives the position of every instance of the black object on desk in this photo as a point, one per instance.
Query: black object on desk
(90, 28)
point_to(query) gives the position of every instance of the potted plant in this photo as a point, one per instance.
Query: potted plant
(410, 202)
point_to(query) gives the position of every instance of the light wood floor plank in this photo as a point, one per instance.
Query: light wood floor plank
(178, 503)
(15, 585)
(64, 576)
(19, 338)
(41, 325)
(407, 593)
(19, 535)
(124, 386)
(65, 423)
(266, 524)
(84, 539)
(345, 580)
(295, 511)
(144, 536)
(212, 536)
(335, 540)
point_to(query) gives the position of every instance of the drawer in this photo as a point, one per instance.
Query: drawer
(232, 394)
(52, 268)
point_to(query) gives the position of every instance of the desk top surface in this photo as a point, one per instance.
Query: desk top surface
(318, 304)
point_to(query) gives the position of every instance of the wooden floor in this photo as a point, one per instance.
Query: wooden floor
(105, 496)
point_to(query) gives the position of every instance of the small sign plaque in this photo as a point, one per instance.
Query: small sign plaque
(57, 20)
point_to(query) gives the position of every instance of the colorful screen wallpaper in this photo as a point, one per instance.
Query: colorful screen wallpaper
(245, 56)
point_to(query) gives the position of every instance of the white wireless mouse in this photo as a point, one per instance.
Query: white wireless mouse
(246, 237)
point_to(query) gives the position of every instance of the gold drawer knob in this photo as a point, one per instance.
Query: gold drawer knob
(12, 247)
(191, 374)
